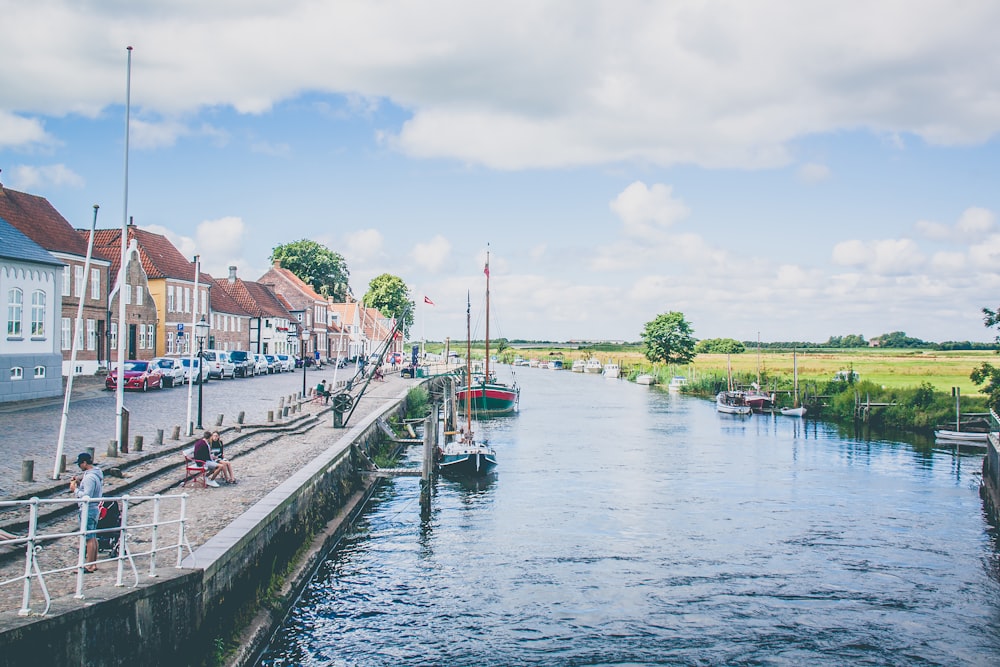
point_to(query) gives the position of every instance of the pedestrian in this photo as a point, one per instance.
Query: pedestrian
(90, 485)
(215, 445)
(214, 468)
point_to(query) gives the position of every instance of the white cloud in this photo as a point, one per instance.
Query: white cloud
(646, 211)
(975, 223)
(813, 172)
(29, 178)
(432, 254)
(364, 245)
(16, 130)
(882, 257)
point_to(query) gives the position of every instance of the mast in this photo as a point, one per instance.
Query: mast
(486, 365)
(795, 377)
(468, 366)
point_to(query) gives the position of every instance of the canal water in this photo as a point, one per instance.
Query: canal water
(629, 526)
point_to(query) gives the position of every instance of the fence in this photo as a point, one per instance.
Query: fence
(53, 563)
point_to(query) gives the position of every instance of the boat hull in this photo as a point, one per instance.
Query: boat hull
(489, 399)
(645, 379)
(731, 403)
(467, 462)
(961, 437)
(794, 412)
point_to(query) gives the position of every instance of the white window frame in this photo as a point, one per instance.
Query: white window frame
(95, 284)
(138, 295)
(38, 308)
(67, 281)
(114, 335)
(78, 277)
(91, 334)
(170, 298)
(15, 311)
(66, 336)
(16, 373)
(39, 372)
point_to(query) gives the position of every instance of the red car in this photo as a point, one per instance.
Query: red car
(138, 375)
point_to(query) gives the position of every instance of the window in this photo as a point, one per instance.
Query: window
(66, 335)
(128, 294)
(170, 298)
(142, 336)
(151, 336)
(39, 371)
(187, 300)
(91, 334)
(170, 342)
(38, 313)
(15, 301)
(67, 281)
(16, 373)
(95, 284)
(114, 335)
(78, 275)
(138, 295)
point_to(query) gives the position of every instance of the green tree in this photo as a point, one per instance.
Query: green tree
(720, 346)
(391, 296)
(668, 339)
(323, 269)
(987, 373)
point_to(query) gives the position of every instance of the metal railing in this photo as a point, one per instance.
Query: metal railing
(143, 532)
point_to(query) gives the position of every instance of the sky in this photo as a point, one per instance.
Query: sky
(783, 170)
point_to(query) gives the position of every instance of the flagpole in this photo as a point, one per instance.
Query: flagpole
(77, 334)
(120, 385)
(190, 338)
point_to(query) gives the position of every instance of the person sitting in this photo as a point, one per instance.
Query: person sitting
(323, 391)
(213, 467)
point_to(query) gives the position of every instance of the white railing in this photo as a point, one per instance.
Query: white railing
(50, 563)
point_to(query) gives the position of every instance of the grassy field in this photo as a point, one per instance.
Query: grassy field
(884, 367)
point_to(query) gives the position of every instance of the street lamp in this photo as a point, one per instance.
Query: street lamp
(305, 349)
(201, 333)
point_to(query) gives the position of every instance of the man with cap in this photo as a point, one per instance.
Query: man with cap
(90, 485)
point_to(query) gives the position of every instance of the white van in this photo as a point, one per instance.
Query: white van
(219, 364)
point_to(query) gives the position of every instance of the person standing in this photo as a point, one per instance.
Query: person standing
(90, 485)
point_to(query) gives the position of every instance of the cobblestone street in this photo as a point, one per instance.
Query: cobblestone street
(31, 431)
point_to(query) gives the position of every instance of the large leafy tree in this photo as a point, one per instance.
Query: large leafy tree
(391, 296)
(720, 346)
(987, 373)
(323, 269)
(668, 339)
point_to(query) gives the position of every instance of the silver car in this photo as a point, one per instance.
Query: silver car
(171, 369)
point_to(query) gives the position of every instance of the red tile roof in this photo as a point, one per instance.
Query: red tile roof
(254, 298)
(160, 258)
(223, 302)
(301, 285)
(37, 219)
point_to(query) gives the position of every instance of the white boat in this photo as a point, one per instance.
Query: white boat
(611, 370)
(732, 403)
(796, 410)
(677, 382)
(961, 437)
(578, 366)
(645, 378)
(593, 365)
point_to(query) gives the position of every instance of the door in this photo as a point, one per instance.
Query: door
(132, 340)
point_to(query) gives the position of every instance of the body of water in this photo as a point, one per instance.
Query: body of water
(628, 526)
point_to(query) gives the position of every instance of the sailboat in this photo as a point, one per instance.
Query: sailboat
(484, 395)
(756, 398)
(731, 402)
(796, 410)
(464, 457)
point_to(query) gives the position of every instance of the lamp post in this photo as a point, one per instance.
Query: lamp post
(201, 333)
(305, 349)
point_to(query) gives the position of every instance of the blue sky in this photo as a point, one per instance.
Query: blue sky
(803, 171)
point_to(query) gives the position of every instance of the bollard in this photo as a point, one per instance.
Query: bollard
(176, 434)
(27, 470)
(270, 416)
(159, 437)
(137, 443)
(239, 420)
(112, 448)
(281, 402)
(284, 411)
(90, 450)
(218, 420)
(62, 463)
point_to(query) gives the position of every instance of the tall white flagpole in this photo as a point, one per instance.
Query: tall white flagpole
(190, 338)
(77, 336)
(120, 385)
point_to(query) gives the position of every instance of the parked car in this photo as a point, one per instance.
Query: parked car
(170, 367)
(287, 362)
(218, 364)
(273, 365)
(138, 375)
(242, 363)
(260, 364)
(186, 365)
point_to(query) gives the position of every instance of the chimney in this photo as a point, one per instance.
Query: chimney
(277, 263)
(131, 221)
(232, 275)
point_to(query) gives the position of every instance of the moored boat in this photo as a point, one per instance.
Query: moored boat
(611, 370)
(732, 403)
(645, 378)
(677, 383)
(796, 410)
(949, 435)
(556, 364)
(578, 365)
(593, 365)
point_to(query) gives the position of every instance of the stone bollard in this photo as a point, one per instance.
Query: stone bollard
(218, 420)
(176, 434)
(112, 448)
(62, 463)
(270, 416)
(27, 470)
(239, 419)
(281, 402)
(159, 437)
(285, 411)
(90, 450)
(137, 443)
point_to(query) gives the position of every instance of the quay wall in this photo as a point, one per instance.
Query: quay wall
(231, 591)
(990, 489)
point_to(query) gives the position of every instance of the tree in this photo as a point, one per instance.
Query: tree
(391, 296)
(987, 373)
(321, 268)
(668, 339)
(720, 346)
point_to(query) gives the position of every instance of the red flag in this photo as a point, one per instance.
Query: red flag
(487, 270)
(428, 301)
